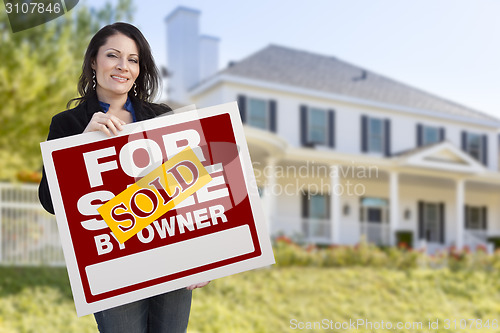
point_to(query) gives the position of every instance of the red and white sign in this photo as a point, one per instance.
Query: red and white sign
(218, 231)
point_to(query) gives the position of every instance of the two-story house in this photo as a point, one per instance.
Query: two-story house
(342, 153)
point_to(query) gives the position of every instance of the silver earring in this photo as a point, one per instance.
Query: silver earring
(94, 83)
(135, 91)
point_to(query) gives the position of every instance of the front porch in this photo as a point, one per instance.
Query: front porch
(318, 231)
(439, 195)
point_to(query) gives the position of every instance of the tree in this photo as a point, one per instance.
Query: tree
(39, 70)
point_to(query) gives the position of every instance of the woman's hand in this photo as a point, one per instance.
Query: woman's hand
(198, 285)
(106, 123)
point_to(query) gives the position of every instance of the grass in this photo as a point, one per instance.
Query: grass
(39, 299)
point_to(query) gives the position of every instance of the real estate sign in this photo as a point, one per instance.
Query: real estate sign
(218, 230)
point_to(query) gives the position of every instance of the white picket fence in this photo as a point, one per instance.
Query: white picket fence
(28, 234)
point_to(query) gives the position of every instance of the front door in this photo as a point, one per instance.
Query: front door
(374, 220)
(431, 222)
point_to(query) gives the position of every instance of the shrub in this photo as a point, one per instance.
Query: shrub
(288, 253)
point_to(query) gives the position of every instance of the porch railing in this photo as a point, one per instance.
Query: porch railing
(306, 229)
(377, 233)
(28, 234)
(477, 238)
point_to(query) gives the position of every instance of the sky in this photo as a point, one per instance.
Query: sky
(450, 48)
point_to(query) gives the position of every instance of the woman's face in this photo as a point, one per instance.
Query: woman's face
(116, 67)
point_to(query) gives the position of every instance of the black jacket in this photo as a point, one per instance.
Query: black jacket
(74, 121)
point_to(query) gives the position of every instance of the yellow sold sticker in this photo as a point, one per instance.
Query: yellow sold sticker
(155, 194)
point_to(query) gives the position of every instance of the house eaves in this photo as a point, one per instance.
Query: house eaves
(312, 74)
(226, 78)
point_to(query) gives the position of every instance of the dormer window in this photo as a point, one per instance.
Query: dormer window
(476, 145)
(427, 135)
(431, 135)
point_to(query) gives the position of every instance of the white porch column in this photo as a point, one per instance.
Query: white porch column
(269, 197)
(335, 212)
(459, 207)
(393, 206)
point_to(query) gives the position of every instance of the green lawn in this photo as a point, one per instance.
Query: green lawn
(278, 299)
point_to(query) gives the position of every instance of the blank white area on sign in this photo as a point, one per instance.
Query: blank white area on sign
(144, 266)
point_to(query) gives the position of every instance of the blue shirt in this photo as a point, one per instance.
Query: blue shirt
(128, 106)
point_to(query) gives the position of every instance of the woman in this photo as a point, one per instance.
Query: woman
(118, 82)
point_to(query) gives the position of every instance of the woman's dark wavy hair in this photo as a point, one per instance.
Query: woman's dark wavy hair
(147, 82)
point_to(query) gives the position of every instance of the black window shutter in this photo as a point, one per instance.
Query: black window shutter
(331, 128)
(485, 150)
(441, 222)
(242, 105)
(466, 216)
(484, 213)
(420, 130)
(305, 205)
(364, 134)
(272, 116)
(442, 134)
(387, 137)
(421, 220)
(464, 140)
(303, 125)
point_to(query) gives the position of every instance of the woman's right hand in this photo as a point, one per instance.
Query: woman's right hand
(106, 123)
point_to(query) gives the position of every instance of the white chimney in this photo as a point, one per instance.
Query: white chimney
(183, 52)
(191, 57)
(209, 56)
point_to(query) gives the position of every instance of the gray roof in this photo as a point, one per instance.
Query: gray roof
(299, 68)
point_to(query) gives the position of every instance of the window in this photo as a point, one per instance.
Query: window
(475, 220)
(473, 145)
(476, 145)
(316, 216)
(375, 135)
(431, 222)
(374, 214)
(318, 206)
(430, 135)
(475, 217)
(374, 210)
(318, 126)
(257, 113)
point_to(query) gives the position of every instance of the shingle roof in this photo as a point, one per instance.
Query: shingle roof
(288, 66)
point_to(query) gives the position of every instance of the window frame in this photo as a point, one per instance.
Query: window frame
(310, 140)
(369, 135)
(248, 113)
(480, 225)
(437, 236)
(378, 203)
(468, 140)
(425, 130)
(326, 203)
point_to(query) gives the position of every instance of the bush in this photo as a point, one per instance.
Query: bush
(288, 253)
(404, 238)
